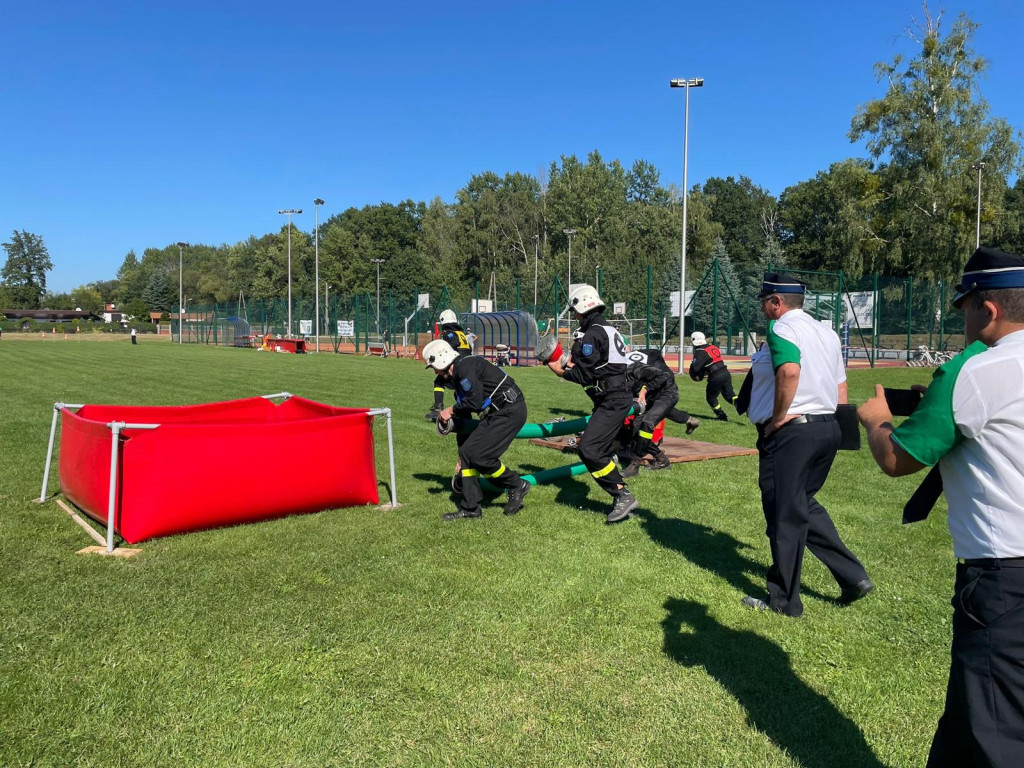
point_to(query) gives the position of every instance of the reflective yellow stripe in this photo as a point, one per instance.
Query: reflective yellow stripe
(501, 468)
(470, 473)
(439, 389)
(648, 435)
(604, 471)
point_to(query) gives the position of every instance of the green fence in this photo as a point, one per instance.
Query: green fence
(882, 318)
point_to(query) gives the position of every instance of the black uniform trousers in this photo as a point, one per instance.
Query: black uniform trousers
(480, 452)
(794, 464)
(719, 383)
(439, 383)
(598, 442)
(983, 723)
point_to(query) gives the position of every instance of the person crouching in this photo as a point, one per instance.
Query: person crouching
(483, 388)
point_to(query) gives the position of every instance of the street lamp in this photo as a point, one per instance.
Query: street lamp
(317, 202)
(977, 237)
(289, 213)
(378, 262)
(181, 313)
(686, 85)
(536, 259)
(570, 233)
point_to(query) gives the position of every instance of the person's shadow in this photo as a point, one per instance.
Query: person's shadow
(715, 551)
(759, 675)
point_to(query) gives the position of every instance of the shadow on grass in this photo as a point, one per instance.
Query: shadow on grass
(714, 551)
(759, 675)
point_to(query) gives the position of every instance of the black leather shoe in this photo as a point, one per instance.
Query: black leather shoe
(691, 425)
(721, 415)
(459, 514)
(857, 591)
(515, 497)
(625, 503)
(432, 414)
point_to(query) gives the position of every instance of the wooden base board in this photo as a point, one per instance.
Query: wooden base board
(119, 552)
(676, 448)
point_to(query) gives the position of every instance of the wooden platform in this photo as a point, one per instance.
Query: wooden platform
(676, 448)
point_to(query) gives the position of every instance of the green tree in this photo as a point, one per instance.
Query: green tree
(830, 222)
(740, 207)
(161, 294)
(926, 132)
(88, 299)
(24, 273)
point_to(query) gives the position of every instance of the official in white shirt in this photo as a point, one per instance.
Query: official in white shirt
(971, 424)
(798, 380)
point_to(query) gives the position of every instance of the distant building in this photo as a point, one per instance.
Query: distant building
(111, 315)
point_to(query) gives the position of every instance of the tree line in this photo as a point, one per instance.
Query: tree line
(909, 207)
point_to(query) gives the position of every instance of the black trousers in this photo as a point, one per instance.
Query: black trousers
(598, 442)
(794, 464)
(439, 382)
(983, 723)
(480, 452)
(719, 383)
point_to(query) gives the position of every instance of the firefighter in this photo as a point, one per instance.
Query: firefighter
(598, 363)
(483, 388)
(654, 384)
(455, 335)
(708, 364)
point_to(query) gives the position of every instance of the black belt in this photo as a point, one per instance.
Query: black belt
(994, 563)
(620, 380)
(504, 398)
(806, 418)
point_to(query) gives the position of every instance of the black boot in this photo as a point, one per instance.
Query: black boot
(658, 462)
(721, 415)
(691, 425)
(625, 502)
(516, 496)
(432, 414)
(633, 468)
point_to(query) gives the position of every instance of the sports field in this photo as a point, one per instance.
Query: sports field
(373, 638)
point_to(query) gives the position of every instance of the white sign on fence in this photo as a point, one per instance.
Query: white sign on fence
(423, 301)
(620, 308)
(860, 308)
(306, 327)
(675, 303)
(346, 328)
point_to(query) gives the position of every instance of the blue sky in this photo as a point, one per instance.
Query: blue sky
(126, 126)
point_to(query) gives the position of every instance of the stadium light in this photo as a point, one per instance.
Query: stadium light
(181, 314)
(378, 262)
(686, 85)
(977, 237)
(570, 233)
(289, 213)
(317, 202)
(536, 258)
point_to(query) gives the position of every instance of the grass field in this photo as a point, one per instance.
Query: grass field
(364, 637)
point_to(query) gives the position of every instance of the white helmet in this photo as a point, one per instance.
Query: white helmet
(698, 339)
(447, 317)
(439, 354)
(583, 298)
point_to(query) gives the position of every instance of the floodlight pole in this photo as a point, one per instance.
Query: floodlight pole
(686, 85)
(181, 312)
(378, 262)
(289, 213)
(536, 259)
(977, 237)
(316, 250)
(570, 233)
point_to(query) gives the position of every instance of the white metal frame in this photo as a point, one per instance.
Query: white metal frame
(117, 427)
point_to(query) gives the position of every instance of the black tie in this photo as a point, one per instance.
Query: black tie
(924, 497)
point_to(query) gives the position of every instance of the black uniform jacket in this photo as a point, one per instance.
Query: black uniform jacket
(599, 355)
(707, 359)
(455, 335)
(479, 384)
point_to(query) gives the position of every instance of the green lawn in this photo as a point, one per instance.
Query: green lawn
(365, 637)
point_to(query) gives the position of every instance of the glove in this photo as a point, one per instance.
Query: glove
(695, 376)
(548, 348)
(444, 427)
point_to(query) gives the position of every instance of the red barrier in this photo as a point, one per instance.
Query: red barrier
(217, 464)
